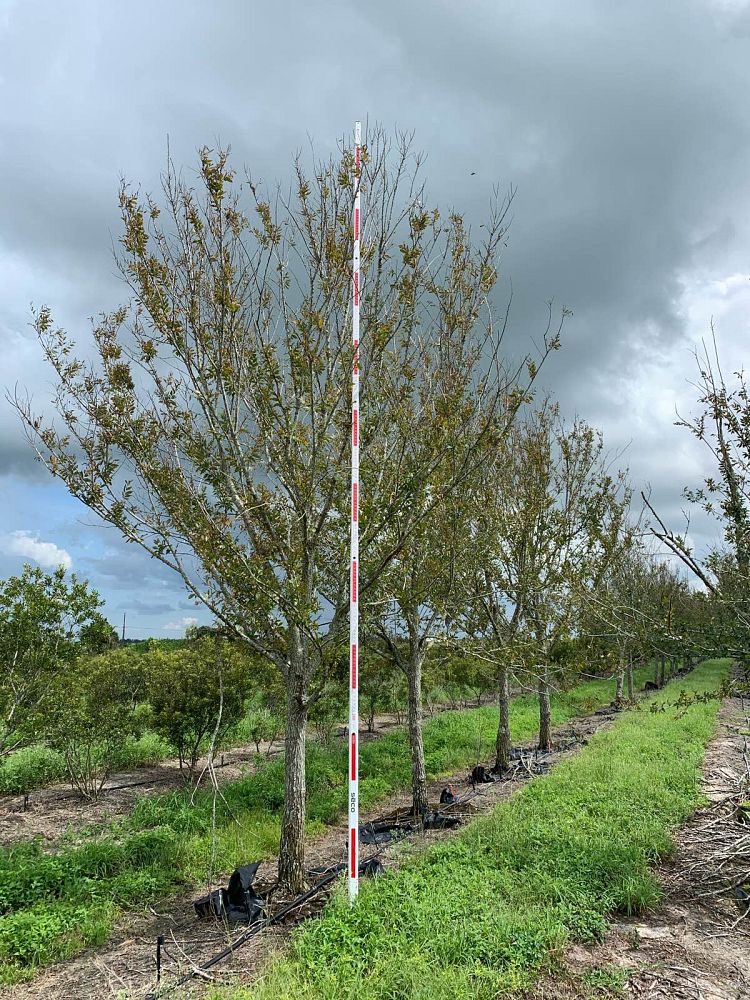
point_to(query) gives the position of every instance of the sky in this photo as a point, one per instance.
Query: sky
(624, 127)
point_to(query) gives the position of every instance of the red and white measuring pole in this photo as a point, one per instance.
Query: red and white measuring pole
(354, 550)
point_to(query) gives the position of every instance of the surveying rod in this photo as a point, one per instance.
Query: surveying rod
(353, 871)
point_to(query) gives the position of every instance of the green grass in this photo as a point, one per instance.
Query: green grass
(167, 840)
(37, 766)
(481, 915)
(23, 771)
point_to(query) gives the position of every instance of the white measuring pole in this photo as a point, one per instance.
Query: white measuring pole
(354, 551)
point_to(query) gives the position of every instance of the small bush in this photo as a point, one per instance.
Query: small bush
(52, 930)
(142, 751)
(194, 690)
(29, 769)
(261, 725)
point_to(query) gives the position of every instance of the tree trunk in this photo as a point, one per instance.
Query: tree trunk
(418, 772)
(619, 687)
(292, 847)
(545, 712)
(631, 683)
(660, 672)
(620, 682)
(502, 743)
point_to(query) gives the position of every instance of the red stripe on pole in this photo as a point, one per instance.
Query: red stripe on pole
(355, 428)
(354, 502)
(356, 288)
(354, 665)
(356, 223)
(356, 357)
(353, 756)
(354, 581)
(353, 853)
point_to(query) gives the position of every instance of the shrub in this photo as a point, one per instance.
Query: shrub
(30, 768)
(263, 726)
(142, 751)
(89, 712)
(194, 691)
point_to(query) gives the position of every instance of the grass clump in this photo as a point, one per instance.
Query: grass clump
(30, 768)
(482, 915)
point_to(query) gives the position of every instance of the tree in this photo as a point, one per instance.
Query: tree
(215, 429)
(556, 521)
(618, 613)
(493, 575)
(87, 713)
(196, 692)
(46, 621)
(580, 526)
(378, 682)
(723, 427)
(98, 635)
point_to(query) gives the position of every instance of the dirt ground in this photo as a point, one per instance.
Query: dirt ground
(696, 945)
(125, 967)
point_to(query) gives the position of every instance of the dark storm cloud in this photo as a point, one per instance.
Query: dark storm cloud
(625, 127)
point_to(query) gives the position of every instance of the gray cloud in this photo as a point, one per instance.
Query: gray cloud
(625, 127)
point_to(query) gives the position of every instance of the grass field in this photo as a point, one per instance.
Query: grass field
(53, 905)
(479, 916)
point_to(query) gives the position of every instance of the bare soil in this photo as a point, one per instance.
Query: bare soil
(696, 944)
(125, 967)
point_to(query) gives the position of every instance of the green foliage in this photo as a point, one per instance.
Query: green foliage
(141, 751)
(49, 931)
(30, 768)
(260, 725)
(87, 715)
(465, 677)
(329, 713)
(97, 635)
(481, 915)
(46, 620)
(167, 839)
(607, 979)
(382, 686)
(195, 691)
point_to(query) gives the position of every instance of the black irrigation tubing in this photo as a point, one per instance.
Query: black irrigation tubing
(329, 876)
(298, 901)
(253, 931)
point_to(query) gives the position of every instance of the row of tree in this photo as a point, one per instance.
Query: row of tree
(68, 684)
(214, 432)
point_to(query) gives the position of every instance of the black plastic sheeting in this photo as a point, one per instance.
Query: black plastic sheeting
(742, 896)
(239, 903)
(378, 834)
(384, 833)
(448, 796)
(536, 759)
(437, 821)
(482, 775)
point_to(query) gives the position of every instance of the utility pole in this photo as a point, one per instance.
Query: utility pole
(123, 626)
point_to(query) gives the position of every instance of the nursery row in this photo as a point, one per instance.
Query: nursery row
(55, 904)
(482, 915)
